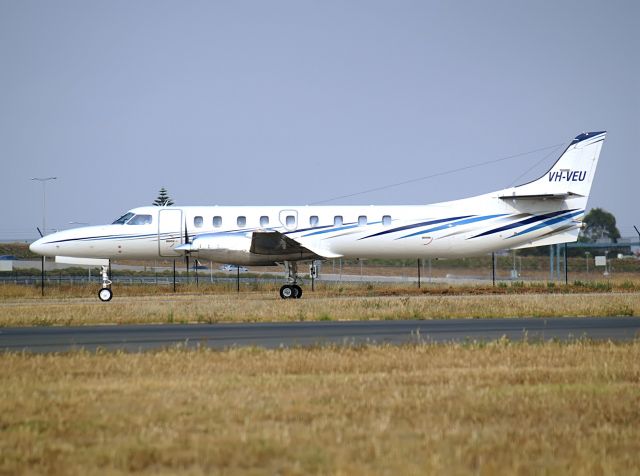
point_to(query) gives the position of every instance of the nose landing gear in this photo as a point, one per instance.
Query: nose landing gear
(105, 294)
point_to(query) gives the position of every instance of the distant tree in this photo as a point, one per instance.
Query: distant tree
(163, 200)
(599, 224)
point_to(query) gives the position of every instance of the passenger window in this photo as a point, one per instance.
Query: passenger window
(242, 221)
(140, 220)
(217, 221)
(313, 220)
(264, 221)
(362, 220)
(198, 221)
(386, 220)
(290, 220)
(337, 220)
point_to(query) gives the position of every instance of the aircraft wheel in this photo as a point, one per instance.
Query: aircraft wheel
(105, 294)
(286, 292)
(297, 291)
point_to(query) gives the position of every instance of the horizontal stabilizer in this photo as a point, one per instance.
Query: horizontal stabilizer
(539, 196)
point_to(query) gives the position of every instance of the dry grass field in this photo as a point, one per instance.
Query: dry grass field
(499, 408)
(78, 305)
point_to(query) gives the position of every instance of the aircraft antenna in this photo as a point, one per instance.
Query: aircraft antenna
(446, 172)
(535, 165)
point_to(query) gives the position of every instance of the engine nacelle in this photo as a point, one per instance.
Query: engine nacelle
(222, 241)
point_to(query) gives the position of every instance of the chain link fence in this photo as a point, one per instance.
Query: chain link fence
(548, 264)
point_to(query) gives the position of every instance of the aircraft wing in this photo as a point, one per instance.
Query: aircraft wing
(276, 243)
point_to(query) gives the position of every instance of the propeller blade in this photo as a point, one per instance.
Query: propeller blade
(38, 228)
(186, 255)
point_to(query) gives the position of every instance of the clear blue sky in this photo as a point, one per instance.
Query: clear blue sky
(294, 102)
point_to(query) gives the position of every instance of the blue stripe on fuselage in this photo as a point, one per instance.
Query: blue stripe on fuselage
(415, 225)
(528, 221)
(110, 237)
(332, 229)
(451, 225)
(550, 222)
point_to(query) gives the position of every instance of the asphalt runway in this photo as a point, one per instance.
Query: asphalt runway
(134, 338)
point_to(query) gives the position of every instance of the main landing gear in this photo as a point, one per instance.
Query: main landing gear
(105, 293)
(291, 290)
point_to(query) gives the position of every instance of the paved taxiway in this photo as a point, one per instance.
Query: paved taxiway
(220, 336)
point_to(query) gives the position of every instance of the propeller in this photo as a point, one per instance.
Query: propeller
(186, 254)
(41, 235)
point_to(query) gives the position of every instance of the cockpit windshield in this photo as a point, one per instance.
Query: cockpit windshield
(132, 219)
(140, 220)
(123, 219)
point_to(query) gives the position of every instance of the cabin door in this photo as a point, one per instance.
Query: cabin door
(289, 219)
(169, 232)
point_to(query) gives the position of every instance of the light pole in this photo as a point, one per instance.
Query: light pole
(586, 255)
(43, 181)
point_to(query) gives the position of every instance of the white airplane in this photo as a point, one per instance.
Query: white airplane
(545, 211)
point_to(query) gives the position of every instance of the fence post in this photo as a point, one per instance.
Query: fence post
(566, 268)
(493, 269)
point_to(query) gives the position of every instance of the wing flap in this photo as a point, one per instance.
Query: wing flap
(276, 243)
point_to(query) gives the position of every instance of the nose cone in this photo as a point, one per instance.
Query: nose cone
(42, 247)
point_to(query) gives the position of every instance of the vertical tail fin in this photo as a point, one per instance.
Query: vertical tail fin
(571, 175)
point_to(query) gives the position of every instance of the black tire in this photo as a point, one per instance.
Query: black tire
(105, 294)
(297, 291)
(286, 292)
